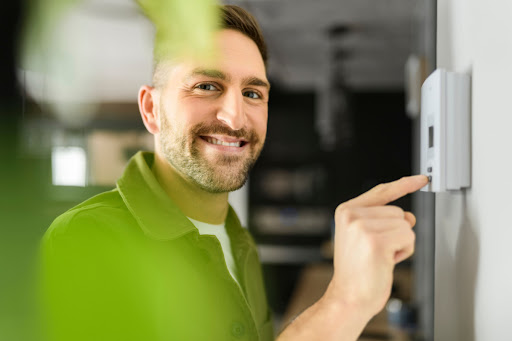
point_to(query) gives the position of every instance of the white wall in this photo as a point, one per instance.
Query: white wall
(473, 275)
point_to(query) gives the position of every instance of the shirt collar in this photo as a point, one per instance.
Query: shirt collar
(157, 215)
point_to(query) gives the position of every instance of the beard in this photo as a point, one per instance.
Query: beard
(219, 174)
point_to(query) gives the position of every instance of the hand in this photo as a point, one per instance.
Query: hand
(371, 237)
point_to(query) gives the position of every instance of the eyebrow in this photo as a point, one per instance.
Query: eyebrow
(213, 73)
(255, 81)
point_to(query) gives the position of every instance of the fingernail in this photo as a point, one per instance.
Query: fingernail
(423, 178)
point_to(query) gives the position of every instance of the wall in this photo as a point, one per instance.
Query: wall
(473, 280)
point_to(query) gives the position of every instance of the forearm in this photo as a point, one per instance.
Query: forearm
(327, 320)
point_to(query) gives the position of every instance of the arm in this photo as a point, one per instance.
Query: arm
(371, 238)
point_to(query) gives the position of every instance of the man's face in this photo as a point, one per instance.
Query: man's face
(213, 117)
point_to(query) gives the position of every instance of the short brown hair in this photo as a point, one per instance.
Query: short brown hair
(231, 17)
(238, 19)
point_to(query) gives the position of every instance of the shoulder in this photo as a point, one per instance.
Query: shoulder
(103, 216)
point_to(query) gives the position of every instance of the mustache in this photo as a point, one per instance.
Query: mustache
(202, 129)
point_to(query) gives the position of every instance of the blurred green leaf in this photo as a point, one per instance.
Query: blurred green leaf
(183, 28)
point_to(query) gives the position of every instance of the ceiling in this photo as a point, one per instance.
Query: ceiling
(375, 44)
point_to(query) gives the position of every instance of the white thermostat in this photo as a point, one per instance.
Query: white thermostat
(445, 131)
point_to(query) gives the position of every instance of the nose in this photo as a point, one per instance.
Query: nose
(231, 111)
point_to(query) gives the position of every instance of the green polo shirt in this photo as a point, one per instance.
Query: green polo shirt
(128, 265)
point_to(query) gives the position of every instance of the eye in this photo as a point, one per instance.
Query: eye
(251, 94)
(207, 87)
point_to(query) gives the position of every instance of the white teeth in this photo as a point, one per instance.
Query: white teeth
(222, 143)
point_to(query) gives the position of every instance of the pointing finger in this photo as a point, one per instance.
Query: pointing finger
(347, 216)
(388, 192)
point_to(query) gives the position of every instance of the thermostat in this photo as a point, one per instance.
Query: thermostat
(445, 131)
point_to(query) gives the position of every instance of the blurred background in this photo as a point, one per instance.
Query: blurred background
(343, 117)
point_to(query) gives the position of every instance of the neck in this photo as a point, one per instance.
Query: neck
(194, 202)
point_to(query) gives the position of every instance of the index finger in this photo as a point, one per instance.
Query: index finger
(385, 193)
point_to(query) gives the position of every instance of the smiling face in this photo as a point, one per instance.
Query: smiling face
(213, 117)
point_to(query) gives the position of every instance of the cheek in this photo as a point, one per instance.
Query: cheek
(192, 111)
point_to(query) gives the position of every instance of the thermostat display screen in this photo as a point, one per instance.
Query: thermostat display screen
(431, 136)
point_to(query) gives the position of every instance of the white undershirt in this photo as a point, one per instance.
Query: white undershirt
(219, 231)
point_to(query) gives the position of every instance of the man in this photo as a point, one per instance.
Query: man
(163, 256)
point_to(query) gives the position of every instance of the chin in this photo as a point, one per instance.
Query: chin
(222, 184)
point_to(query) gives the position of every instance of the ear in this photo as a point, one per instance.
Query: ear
(148, 110)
